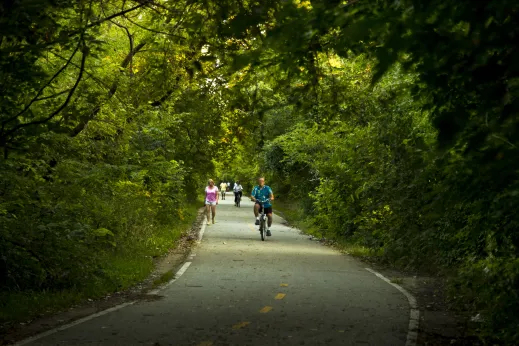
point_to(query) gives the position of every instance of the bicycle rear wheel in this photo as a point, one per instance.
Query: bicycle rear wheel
(238, 200)
(263, 228)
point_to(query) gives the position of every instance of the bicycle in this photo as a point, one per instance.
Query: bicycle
(262, 220)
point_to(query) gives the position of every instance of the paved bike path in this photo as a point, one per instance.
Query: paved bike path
(239, 290)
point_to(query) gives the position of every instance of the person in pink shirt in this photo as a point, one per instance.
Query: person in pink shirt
(211, 199)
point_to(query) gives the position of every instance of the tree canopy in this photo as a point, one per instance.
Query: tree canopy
(392, 124)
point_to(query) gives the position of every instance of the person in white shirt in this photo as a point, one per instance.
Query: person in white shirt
(238, 189)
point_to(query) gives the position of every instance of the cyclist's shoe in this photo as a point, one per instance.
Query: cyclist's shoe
(268, 233)
(257, 222)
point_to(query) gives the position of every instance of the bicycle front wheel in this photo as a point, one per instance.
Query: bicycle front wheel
(263, 228)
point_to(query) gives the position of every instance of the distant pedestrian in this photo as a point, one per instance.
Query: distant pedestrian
(223, 188)
(211, 199)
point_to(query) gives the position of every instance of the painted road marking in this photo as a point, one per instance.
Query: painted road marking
(240, 325)
(205, 343)
(414, 313)
(280, 296)
(178, 274)
(265, 309)
(75, 323)
(201, 233)
(251, 227)
(284, 285)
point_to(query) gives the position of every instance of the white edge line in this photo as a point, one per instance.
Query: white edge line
(202, 230)
(184, 267)
(69, 325)
(178, 274)
(414, 312)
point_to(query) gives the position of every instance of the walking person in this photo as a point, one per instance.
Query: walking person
(223, 188)
(211, 199)
(237, 192)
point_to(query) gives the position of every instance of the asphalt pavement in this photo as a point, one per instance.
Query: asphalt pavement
(239, 290)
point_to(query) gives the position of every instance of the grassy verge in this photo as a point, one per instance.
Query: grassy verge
(294, 215)
(167, 276)
(121, 270)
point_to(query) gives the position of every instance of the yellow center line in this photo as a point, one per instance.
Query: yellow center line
(251, 227)
(283, 285)
(280, 296)
(266, 309)
(205, 343)
(240, 325)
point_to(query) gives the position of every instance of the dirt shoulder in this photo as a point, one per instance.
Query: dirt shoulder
(439, 323)
(165, 267)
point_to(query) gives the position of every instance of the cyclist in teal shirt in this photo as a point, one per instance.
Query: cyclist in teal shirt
(262, 195)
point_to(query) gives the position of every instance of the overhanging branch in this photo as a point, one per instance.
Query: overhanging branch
(60, 108)
(83, 123)
(38, 94)
(115, 15)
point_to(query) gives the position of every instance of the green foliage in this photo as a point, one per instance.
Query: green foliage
(375, 179)
(106, 134)
(391, 125)
(404, 133)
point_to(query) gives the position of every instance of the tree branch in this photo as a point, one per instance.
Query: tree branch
(130, 38)
(22, 48)
(160, 101)
(65, 104)
(53, 95)
(130, 55)
(115, 15)
(154, 31)
(97, 80)
(35, 98)
(83, 123)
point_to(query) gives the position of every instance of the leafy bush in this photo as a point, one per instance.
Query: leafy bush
(384, 184)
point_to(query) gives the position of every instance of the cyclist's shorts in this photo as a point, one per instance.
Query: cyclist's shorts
(268, 210)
